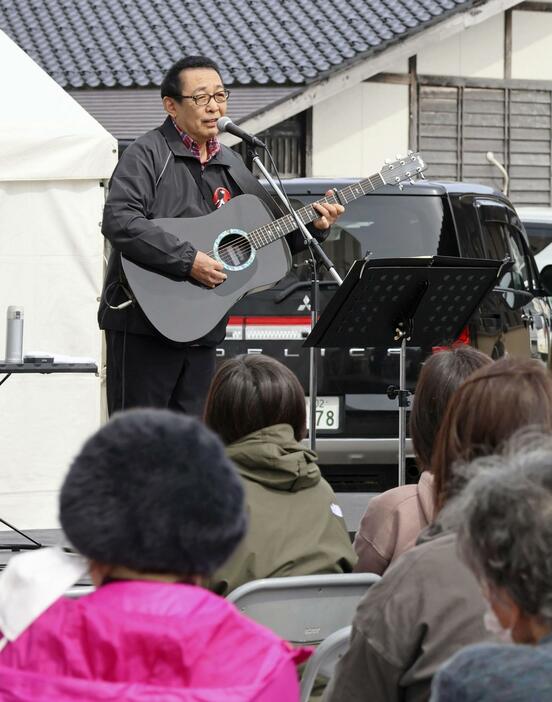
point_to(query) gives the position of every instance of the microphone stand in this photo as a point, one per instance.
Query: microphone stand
(319, 258)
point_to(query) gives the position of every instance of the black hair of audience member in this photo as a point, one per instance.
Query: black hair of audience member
(153, 491)
(251, 392)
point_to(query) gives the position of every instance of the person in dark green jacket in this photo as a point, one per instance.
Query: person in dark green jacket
(296, 526)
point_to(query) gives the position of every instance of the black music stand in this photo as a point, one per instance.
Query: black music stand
(423, 301)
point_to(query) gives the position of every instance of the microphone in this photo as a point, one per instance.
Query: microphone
(225, 124)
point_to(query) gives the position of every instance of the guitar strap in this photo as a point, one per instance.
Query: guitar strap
(194, 166)
(247, 183)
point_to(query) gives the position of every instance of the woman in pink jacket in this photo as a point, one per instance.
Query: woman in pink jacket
(394, 519)
(155, 507)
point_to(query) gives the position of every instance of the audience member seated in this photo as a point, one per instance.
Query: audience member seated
(156, 507)
(296, 526)
(506, 539)
(428, 604)
(394, 519)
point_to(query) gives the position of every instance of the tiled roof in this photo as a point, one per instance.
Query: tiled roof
(131, 43)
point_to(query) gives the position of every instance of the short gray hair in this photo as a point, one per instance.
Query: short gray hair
(505, 534)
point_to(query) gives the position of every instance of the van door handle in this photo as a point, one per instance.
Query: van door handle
(527, 319)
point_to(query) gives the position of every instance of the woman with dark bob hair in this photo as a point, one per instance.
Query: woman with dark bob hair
(505, 537)
(428, 605)
(296, 527)
(394, 519)
(154, 505)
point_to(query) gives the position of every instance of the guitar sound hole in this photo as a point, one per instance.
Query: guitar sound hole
(234, 251)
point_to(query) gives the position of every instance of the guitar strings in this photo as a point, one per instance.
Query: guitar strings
(242, 248)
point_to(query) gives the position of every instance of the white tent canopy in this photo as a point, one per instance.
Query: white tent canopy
(44, 133)
(54, 162)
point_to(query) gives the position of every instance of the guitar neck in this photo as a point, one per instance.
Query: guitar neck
(285, 225)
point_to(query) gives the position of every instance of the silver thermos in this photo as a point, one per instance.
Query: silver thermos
(14, 335)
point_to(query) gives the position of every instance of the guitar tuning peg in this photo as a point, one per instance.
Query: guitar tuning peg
(409, 152)
(398, 157)
(411, 181)
(401, 186)
(387, 161)
(422, 176)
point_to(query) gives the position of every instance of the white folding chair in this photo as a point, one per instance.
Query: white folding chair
(79, 591)
(324, 659)
(303, 609)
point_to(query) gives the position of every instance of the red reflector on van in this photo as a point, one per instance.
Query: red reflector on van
(463, 339)
(277, 320)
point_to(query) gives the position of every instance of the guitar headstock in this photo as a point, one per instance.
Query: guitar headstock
(403, 168)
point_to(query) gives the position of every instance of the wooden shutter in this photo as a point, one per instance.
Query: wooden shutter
(458, 125)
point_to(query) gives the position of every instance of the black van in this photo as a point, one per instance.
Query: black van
(358, 424)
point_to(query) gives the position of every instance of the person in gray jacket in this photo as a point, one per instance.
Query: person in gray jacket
(428, 604)
(505, 537)
(179, 170)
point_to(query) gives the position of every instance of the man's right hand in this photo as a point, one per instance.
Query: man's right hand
(207, 271)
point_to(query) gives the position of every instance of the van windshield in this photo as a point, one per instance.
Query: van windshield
(388, 226)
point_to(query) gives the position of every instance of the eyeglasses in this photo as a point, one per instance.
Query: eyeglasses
(205, 98)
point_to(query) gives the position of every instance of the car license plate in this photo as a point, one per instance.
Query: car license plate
(327, 413)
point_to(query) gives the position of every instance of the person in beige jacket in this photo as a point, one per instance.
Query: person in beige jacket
(393, 520)
(428, 604)
(296, 526)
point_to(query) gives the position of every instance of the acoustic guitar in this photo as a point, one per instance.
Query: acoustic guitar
(251, 246)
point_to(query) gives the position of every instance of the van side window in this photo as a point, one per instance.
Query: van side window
(520, 261)
(524, 246)
(500, 240)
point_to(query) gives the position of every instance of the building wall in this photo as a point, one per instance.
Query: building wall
(476, 52)
(532, 45)
(354, 132)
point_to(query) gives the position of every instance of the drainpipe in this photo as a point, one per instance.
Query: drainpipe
(491, 159)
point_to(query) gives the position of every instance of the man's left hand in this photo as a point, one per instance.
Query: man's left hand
(328, 213)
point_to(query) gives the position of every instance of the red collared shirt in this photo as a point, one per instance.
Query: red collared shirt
(213, 145)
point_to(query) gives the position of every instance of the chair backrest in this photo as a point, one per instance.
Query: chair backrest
(303, 609)
(324, 659)
(79, 591)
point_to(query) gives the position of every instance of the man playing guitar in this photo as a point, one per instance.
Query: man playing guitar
(178, 170)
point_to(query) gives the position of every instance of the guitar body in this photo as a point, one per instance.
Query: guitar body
(184, 311)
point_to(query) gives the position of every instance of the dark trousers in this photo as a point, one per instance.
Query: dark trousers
(144, 371)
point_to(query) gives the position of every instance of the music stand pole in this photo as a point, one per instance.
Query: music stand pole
(317, 255)
(313, 357)
(403, 405)
(401, 394)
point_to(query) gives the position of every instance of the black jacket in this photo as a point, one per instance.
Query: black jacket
(154, 179)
